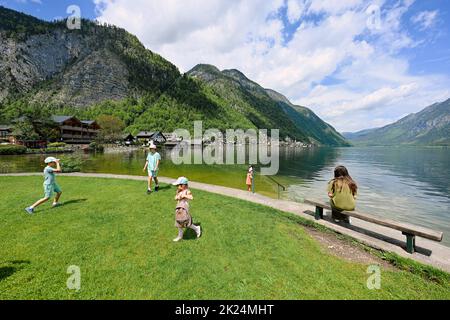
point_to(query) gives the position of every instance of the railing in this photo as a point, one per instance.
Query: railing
(73, 136)
(78, 129)
(279, 185)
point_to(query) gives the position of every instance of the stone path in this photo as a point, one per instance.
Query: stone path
(429, 252)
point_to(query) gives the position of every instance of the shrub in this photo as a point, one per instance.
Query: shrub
(57, 145)
(94, 146)
(72, 163)
(12, 149)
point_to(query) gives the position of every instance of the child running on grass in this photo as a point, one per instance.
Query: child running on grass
(183, 219)
(152, 165)
(50, 185)
(342, 191)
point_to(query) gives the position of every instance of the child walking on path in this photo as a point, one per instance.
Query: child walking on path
(342, 191)
(50, 185)
(152, 165)
(183, 218)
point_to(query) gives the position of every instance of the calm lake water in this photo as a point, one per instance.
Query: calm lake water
(405, 184)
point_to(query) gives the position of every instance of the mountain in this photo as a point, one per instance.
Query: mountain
(75, 67)
(354, 135)
(267, 108)
(430, 127)
(102, 69)
(318, 131)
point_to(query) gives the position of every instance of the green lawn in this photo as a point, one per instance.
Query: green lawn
(122, 241)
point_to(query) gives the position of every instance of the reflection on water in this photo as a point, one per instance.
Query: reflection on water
(306, 163)
(404, 184)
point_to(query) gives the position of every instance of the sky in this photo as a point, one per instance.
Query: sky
(358, 64)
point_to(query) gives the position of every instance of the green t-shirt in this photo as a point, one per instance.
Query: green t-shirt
(49, 176)
(343, 199)
(153, 160)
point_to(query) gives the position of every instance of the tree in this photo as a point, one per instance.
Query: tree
(24, 131)
(36, 124)
(111, 128)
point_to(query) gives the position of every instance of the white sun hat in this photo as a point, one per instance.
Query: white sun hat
(153, 146)
(50, 160)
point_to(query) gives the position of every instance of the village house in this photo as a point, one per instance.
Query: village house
(172, 139)
(6, 134)
(128, 139)
(147, 136)
(71, 131)
(74, 131)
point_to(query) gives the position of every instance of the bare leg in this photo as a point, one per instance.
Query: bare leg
(58, 195)
(150, 180)
(197, 229)
(180, 235)
(37, 204)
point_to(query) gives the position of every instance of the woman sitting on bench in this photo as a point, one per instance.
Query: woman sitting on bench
(342, 191)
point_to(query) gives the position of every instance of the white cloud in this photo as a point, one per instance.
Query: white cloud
(334, 7)
(425, 19)
(219, 23)
(369, 82)
(350, 110)
(296, 9)
(374, 100)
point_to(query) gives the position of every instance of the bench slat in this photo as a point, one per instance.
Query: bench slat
(403, 227)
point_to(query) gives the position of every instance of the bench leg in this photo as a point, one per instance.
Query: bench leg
(319, 213)
(410, 243)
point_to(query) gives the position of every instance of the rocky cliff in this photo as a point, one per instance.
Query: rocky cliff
(76, 67)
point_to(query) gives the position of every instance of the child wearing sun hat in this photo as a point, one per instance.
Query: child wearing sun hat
(183, 218)
(50, 185)
(152, 167)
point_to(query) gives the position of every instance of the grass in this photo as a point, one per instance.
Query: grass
(122, 241)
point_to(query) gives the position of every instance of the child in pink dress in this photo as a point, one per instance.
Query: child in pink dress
(249, 181)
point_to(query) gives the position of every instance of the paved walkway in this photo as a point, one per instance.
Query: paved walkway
(429, 252)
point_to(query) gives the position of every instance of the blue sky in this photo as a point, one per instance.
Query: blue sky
(357, 68)
(50, 9)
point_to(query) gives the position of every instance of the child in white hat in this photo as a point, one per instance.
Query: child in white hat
(152, 167)
(183, 218)
(50, 185)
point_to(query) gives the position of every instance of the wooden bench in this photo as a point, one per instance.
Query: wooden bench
(408, 230)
